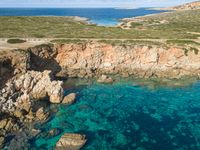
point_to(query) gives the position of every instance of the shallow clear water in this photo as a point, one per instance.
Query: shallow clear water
(100, 16)
(130, 115)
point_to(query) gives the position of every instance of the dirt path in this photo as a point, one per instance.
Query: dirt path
(37, 41)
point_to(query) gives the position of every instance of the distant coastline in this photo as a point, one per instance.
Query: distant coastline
(98, 16)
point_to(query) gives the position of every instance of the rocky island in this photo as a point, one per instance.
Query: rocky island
(160, 46)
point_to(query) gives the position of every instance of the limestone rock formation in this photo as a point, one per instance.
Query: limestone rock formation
(105, 79)
(188, 6)
(19, 93)
(11, 63)
(41, 115)
(96, 59)
(39, 85)
(69, 99)
(71, 142)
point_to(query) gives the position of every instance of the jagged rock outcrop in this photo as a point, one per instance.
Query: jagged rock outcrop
(95, 59)
(18, 98)
(12, 63)
(33, 85)
(188, 6)
(91, 59)
(42, 57)
(41, 115)
(39, 85)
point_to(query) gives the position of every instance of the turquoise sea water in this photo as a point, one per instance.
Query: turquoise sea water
(129, 115)
(99, 16)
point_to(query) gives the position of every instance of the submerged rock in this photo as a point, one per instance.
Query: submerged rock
(71, 142)
(105, 79)
(69, 99)
(1, 141)
(19, 142)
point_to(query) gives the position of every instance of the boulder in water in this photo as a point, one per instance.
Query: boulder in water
(105, 79)
(69, 99)
(71, 142)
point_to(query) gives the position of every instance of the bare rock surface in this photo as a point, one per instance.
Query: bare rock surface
(71, 142)
(40, 85)
(96, 59)
(29, 86)
(18, 97)
(188, 6)
(91, 59)
(69, 99)
(41, 115)
(105, 79)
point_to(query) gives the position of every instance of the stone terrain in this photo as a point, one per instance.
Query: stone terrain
(19, 100)
(188, 6)
(28, 76)
(21, 94)
(93, 59)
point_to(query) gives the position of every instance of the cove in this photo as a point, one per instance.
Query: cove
(99, 16)
(127, 115)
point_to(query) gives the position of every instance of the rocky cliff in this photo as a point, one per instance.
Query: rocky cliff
(92, 59)
(27, 76)
(188, 6)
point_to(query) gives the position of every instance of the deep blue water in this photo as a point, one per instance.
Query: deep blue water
(100, 16)
(129, 115)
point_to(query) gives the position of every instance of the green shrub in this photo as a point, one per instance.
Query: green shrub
(195, 50)
(68, 41)
(15, 41)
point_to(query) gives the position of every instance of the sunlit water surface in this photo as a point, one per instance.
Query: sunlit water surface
(99, 16)
(129, 115)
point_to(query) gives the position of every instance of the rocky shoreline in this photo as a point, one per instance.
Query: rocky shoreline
(29, 76)
(19, 104)
(93, 59)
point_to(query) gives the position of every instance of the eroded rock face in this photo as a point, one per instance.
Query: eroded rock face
(18, 97)
(39, 85)
(41, 115)
(71, 142)
(11, 63)
(95, 59)
(33, 85)
(188, 6)
(105, 79)
(42, 58)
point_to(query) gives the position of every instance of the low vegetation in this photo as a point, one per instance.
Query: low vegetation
(132, 42)
(182, 42)
(176, 25)
(66, 41)
(15, 41)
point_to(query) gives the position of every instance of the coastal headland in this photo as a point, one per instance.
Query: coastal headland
(35, 52)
